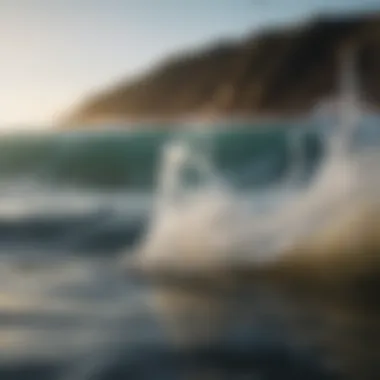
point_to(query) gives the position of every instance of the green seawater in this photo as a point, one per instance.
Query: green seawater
(119, 159)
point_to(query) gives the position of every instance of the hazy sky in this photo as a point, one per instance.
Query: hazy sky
(53, 52)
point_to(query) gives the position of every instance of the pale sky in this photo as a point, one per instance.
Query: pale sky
(54, 52)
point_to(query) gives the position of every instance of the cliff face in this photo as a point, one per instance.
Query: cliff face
(281, 72)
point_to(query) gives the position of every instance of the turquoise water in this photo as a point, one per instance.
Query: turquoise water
(118, 160)
(75, 204)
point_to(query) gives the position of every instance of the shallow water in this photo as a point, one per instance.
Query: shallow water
(73, 319)
(69, 309)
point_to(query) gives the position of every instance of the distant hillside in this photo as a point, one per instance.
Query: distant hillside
(278, 72)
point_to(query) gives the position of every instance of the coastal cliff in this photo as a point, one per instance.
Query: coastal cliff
(282, 72)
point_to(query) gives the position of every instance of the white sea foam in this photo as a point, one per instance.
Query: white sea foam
(211, 224)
